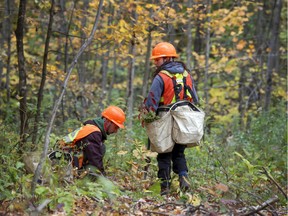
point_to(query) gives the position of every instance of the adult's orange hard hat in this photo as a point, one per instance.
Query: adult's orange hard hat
(115, 114)
(163, 49)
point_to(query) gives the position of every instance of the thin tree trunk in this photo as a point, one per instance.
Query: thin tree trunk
(105, 63)
(7, 30)
(2, 39)
(274, 52)
(207, 54)
(44, 73)
(82, 73)
(131, 72)
(261, 46)
(66, 56)
(22, 73)
(147, 65)
(241, 96)
(198, 43)
(113, 76)
(189, 37)
(58, 102)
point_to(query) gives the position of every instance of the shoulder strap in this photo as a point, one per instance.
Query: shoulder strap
(166, 73)
(187, 87)
(177, 87)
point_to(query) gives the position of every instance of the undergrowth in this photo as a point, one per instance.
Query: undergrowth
(238, 165)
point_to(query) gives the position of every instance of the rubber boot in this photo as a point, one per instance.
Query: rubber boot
(165, 188)
(184, 183)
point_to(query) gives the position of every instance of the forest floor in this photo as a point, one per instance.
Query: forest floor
(135, 195)
(177, 203)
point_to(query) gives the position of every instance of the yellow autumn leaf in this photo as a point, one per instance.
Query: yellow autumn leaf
(230, 66)
(19, 97)
(193, 199)
(93, 4)
(121, 152)
(223, 60)
(151, 154)
(222, 187)
(281, 92)
(251, 46)
(241, 44)
(221, 29)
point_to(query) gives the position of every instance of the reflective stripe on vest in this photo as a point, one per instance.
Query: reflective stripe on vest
(176, 87)
(79, 134)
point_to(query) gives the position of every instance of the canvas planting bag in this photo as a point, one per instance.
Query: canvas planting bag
(188, 123)
(159, 133)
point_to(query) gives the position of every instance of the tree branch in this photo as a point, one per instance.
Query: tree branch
(263, 206)
(272, 179)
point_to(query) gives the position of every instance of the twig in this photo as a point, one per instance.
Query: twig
(272, 179)
(169, 203)
(263, 206)
(157, 213)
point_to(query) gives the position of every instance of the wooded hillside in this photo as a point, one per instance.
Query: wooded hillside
(63, 61)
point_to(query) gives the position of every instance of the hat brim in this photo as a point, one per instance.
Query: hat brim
(162, 56)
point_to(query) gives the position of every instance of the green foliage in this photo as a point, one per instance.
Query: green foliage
(57, 196)
(10, 164)
(68, 194)
(238, 159)
(147, 116)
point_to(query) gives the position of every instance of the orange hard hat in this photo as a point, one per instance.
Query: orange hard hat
(163, 49)
(115, 114)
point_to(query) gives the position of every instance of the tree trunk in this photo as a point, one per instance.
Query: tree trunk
(66, 56)
(274, 52)
(207, 54)
(189, 37)
(198, 41)
(131, 72)
(105, 62)
(22, 73)
(241, 93)
(44, 73)
(82, 73)
(7, 35)
(147, 65)
(261, 45)
(113, 76)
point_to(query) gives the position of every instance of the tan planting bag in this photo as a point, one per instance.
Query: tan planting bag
(159, 133)
(188, 123)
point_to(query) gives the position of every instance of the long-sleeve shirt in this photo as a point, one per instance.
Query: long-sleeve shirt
(93, 145)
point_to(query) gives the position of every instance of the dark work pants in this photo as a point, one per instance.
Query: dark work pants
(177, 157)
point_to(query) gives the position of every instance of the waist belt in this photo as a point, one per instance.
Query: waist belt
(177, 104)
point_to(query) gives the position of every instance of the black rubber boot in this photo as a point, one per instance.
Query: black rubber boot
(184, 183)
(165, 188)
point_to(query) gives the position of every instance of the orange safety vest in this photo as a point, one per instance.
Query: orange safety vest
(176, 87)
(68, 142)
(78, 134)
